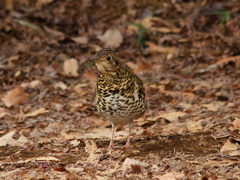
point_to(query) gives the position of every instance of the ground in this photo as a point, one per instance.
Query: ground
(187, 54)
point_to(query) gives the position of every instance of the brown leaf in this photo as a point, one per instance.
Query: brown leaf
(3, 112)
(90, 75)
(70, 67)
(8, 139)
(194, 126)
(80, 40)
(172, 116)
(148, 21)
(166, 29)
(40, 3)
(211, 107)
(60, 169)
(235, 125)
(137, 68)
(112, 38)
(157, 49)
(228, 146)
(225, 61)
(176, 95)
(9, 4)
(14, 97)
(36, 112)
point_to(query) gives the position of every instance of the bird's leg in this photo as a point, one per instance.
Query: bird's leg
(111, 142)
(128, 140)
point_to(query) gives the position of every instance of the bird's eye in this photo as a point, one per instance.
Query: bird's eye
(109, 58)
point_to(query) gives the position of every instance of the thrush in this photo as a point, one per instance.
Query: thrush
(120, 95)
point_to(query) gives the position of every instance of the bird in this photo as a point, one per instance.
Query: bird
(120, 94)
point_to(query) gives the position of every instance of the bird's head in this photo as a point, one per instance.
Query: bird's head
(106, 61)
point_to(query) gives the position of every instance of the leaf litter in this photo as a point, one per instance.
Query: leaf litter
(186, 55)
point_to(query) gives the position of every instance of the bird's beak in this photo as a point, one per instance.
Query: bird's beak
(95, 60)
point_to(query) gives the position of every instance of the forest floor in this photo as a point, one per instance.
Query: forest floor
(186, 53)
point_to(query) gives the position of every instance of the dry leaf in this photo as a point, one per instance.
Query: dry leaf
(166, 29)
(36, 112)
(3, 112)
(176, 95)
(75, 142)
(174, 128)
(129, 161)
(9, 5)
(90, 75)
(91, 148)
(66, 135)
(14, 97)
(215, 163)
(137, 68)
(228, 146)
(40, 3)
(170, 176)
(32, 84)
(211, 107)
(173, 116)
(42, 158)
(61, 85)
(112, 38)
(235, 125)
(36, 133)
(132, 163)
(194, 126)
(166, 50)
(80, 40)
(70, 67)
(225, 61)
(8, 139)
(148, 21)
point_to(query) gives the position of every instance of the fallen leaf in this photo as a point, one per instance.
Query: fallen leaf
(36, 133)
(80, 40)
(235, 125)
(166, 29)
(42, 158)
(215, 163)
(170, 176)
(40, 3)
(136, 68)
(75, 142)
(225, 61)
(3, 112)
(9, 5)
(211, 107)
(148, 21)
(174, 128)
(183, 95)
(129, 161)
(66, 135)
(36, 112)
(8, 139)
(194, 126)
(112, 38)
(57, 127)
(132, 163)
(14, 97)
(173, 116)
(90, 75)
(70, 67)
(60, 85)
(91, 148)
(31, 84)
(228, 146)
(166, 50)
